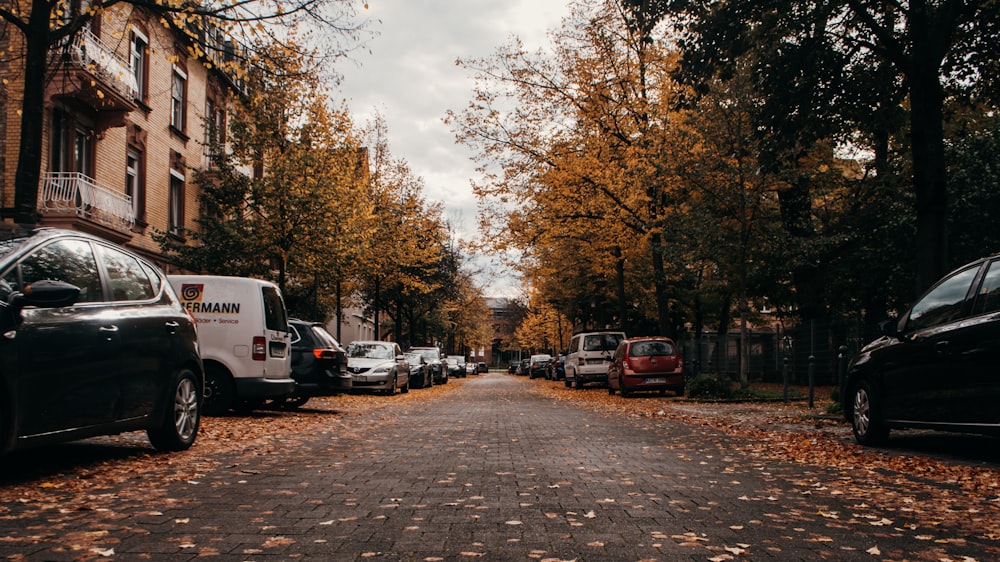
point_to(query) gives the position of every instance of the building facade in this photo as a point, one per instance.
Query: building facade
(125, 125)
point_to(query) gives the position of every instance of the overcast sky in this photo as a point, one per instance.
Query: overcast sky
(410, 77)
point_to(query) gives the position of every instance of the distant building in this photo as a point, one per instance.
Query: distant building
(507, 315)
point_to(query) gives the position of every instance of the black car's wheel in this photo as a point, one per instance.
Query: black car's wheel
(181, 417)
(866, 415)
(219, 392)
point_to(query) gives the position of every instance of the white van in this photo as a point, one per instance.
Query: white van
(243, 336)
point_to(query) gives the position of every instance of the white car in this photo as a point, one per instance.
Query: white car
(378, 365)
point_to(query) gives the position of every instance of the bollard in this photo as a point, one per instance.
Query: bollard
(812, 378)
(784, 377)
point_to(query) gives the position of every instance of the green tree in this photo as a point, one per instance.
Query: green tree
(299, 219)
(825, 69)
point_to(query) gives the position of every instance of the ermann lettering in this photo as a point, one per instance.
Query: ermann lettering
(212, 307)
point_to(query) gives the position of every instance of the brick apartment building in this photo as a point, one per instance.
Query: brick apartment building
(124, 125)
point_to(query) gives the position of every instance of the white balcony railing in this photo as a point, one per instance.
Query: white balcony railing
(88, 51)
(75, 193)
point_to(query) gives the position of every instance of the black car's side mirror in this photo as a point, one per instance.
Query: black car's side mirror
(889, 327)
(44, 294)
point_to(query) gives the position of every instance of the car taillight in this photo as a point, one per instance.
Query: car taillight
(321, 353)
(259, 348)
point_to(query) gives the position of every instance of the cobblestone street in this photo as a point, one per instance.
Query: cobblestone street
(491, 471)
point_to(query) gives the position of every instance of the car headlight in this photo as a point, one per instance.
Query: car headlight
(380, 370)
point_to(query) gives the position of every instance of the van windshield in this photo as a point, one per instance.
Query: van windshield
(601, 342)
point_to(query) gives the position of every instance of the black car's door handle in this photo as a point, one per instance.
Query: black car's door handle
(941, 347)
(172, 327)
(109, 332)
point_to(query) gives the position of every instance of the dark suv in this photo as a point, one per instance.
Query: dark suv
(319, 363)
(95, 342)
(936, 367)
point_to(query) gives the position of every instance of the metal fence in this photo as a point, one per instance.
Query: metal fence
(824, 341)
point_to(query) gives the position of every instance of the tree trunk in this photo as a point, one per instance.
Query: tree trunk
(29, 160)
(929, 174)
(660, 286)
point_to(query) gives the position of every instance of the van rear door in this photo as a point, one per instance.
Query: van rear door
(276, 349)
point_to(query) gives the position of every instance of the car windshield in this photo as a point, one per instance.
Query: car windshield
(370, 351)
(11, 242)
(430, 354)
(601, 342)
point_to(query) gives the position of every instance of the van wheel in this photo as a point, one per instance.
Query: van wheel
(578, 382)
(219, 392)
(568, 382)
(179, 425)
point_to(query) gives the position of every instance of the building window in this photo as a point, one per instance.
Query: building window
(72, 144)
(215, 130)
(140, 63)
(176, 203)
(178, 100)
(135, 182)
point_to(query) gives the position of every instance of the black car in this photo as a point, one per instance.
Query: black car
(95, 342)
(319, 363)
(512, 368)
(935, 367)
(436, 371)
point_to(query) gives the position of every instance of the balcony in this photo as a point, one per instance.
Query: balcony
(76, 201)
(91, 74)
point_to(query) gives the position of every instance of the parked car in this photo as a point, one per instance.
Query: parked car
(557, 369)
(588, 356)
(523, 367)
(435, 365)
(471, 368)
(456, 365)
(319, 363)
(95, 342)
(482, 367)
(378, 365)
(538, 365)
(935, 367)
(646, 364)
(512, 368)
(420, 375)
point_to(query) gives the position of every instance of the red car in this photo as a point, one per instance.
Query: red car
(646, 364)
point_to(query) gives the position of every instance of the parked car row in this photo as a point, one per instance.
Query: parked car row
(621, 364)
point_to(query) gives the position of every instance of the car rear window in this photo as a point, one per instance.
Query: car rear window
(274, 310)
(601, 342)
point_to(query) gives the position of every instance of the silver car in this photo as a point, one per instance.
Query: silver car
(378, 365)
